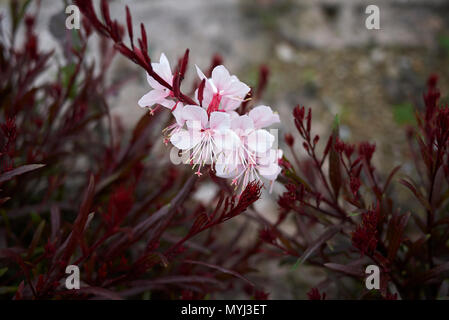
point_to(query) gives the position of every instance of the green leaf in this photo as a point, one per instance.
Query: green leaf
(35, 217)
(10, 289)
(354, 214)
(404, 114)
(76, 40)
(336, 124)
(3, 271)
(67, 72)
(444, 42)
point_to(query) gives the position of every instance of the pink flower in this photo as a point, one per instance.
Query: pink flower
(204, 137)
(252, 158)
(222, 91)
(268, 164)
(265, 166)
(248, 146)
(159, 94)
(263, 117)
(178, 113)
(236, 146)
(257, 167)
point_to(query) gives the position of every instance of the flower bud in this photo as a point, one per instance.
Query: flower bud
(289, 140)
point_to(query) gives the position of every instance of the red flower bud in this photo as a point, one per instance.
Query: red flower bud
(289, 140)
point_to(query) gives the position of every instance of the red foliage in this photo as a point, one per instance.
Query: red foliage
(365, 236)
(76, 189)
(338, 198)
(314, 294)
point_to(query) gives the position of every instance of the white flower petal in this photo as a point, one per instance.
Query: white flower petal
(230, 104)
(167, 103)
(226, 140)
(268, 165)
(263, 116)
(195, 116)
(234, 115)
(184, 139)
(154, 84)
(243, 123)
(219, 121)
(163, 69)
(179, 114)
(220, 77)
(270, 172)
(200, 73)
(151, 98)
(260, 141)
(225, 166)
(208, 94)
(237, 89)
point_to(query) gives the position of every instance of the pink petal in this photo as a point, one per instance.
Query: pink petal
(229, 104)
(268, 166)
(220, 121)
(220, 77)
(178, 114)
(184, 139)
(151, 98)
(154, 84)
(236, 88)
(242, 123)
(270, 172)
(195, 116)
(167, 103)
(226, 166)
(208, 94)
(260, 141)
(263, 116)
(163, 69)
(200, 73)
(226, 140)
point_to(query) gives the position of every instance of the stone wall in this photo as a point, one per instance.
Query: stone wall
(333, 24)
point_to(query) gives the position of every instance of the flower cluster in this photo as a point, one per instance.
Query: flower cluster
(212, 132)
(365, 237)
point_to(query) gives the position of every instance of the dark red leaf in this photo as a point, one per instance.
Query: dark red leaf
(354, 271)
(18, 171)
(417, 193)
(129, 24)
(221, 269)
(395, 232)
(332, 231)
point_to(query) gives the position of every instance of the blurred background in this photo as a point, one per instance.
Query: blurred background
(319, 53)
